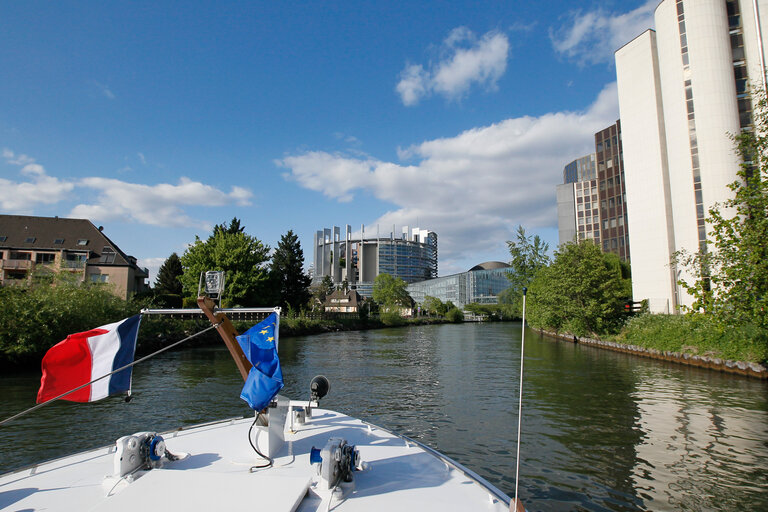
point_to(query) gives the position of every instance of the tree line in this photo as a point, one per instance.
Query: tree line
(255, 276)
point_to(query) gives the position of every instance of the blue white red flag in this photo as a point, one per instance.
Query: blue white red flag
(259, 343)
(86, 356)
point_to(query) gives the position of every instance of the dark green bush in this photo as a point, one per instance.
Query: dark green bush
(454, 315)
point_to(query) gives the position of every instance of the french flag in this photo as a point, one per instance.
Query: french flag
(86, 356)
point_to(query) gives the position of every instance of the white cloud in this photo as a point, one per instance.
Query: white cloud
(592, 37)
(158, 205)
(473, 188)
(465, 61)
(23, 196)
(105, 91)
(142, 158)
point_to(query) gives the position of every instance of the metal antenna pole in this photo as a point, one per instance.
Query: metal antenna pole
(520, 403)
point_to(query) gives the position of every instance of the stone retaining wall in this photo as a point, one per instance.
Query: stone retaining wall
(714, 363)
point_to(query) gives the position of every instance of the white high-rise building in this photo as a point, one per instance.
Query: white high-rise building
(684, 90)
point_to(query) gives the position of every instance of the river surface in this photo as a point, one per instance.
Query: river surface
(601, 430)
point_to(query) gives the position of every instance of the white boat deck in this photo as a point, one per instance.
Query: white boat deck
(400, 475)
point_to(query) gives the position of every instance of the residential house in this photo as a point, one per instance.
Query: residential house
(51, 245)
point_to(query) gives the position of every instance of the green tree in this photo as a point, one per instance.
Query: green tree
(168, 279)
(581, 292)
(434, 306)
(324, 289)
(233, 228)
(529, 256)
(731, 276)
(36, 317)
(287, 273)
(390, 291)
(243, 258)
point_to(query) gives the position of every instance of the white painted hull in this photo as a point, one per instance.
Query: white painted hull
(400, 475)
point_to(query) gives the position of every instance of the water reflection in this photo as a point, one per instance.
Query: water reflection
(601, 430)
(707, 445)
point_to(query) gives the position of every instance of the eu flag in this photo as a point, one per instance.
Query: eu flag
(259, 343)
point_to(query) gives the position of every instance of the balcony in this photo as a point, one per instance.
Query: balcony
(72, 264)
(15, 264)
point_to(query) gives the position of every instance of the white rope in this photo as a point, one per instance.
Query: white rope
(38, 406)
(520, 404)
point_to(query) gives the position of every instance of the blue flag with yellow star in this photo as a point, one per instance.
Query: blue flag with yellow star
(259, 343)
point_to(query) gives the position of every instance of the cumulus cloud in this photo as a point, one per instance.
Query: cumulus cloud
(592, 37)
(476, 186)
(39, 188)
(158, 205)
(464, 61)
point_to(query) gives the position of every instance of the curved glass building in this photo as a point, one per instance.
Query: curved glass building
(410, 256)
(481, 284)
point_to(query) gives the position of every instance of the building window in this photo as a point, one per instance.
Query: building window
(3, 238)
(29, 240)
(99, 278)
(58, 241)
(45, 258)
(15, 255)
(107, 255)
(82, 241)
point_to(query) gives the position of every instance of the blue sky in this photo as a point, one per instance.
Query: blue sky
(158, 120)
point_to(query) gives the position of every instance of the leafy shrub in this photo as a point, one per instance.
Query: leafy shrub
(454, 315)
(392, 319)
(34, 318)
(697, 334)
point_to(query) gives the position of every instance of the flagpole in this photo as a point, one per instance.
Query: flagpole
(38, 406)
(520, 406)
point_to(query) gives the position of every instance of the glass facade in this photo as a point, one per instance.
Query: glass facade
(412, 257)
(410, 261)
(581, 169)
(475, 286)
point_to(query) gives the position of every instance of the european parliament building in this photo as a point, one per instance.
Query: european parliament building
(481, 284)
(410, 255)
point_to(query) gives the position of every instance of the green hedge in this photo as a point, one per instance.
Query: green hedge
(32, 319)
(696, 334)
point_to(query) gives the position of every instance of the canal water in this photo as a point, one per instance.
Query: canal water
(601, 430)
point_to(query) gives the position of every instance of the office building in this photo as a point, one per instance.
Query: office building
(591, 200)
(481, 285)
(578, 217)
(614, 235)
(410, 256)
(684, 90)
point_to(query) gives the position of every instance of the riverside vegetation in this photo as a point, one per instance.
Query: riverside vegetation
(42, 311)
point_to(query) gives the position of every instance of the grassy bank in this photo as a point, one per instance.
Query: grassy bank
(695, 335)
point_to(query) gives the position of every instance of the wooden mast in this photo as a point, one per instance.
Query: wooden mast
(228, 334)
